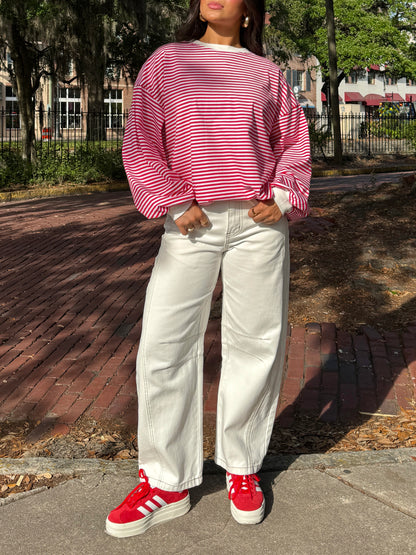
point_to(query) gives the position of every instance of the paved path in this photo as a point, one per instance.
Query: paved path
(73, 278)
(339, 183)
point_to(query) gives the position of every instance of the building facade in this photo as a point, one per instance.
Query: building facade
(367, 88)
(61, 109)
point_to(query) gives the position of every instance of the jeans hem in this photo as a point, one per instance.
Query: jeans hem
(239, 470)
(177, 487)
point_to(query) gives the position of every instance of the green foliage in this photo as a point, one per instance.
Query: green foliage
(28, 28)
(411, 133)
(13, 169)
(393, 127)
(86, 164)
(83, 165)
(140, 28)
(367, 32)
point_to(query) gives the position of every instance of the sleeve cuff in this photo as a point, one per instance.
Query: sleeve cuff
(281, 198)
(179, 210)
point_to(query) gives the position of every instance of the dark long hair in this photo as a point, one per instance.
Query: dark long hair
(251, 37)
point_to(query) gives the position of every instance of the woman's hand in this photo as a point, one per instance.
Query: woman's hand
(193, 219)
(265, 212)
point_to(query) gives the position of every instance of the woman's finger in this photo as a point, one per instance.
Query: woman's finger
(188, 225)
(260, 214)
(268, 215)
(204, 221)
(254, 211)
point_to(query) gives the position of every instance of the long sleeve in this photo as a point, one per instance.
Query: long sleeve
(290, 141)
(153, 184)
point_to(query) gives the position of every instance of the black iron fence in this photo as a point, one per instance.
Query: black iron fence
(66, 132)
(60, 133)
(364, 135)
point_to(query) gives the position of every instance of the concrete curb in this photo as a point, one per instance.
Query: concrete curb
(362, 171)
(62, 190)
(77, 467)
(17, 496)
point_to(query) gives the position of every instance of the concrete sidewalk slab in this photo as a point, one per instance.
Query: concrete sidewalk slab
(392, 484)
(308, 511)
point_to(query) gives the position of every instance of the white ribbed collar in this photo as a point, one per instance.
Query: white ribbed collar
(224, 47)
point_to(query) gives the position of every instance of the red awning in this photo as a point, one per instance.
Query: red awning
(411, 97)
(375, 67)
(374, 99)
(354, 97)
(393, 97)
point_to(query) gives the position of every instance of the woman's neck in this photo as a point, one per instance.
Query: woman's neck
(226, 37)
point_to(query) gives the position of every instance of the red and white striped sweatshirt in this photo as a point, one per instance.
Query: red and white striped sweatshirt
(214, 124)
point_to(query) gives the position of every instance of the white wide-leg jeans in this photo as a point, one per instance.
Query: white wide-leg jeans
(254, 264)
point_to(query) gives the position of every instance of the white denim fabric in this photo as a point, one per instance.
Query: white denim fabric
(254, 264)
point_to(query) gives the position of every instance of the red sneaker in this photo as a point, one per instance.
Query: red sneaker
(247, 500)
(144, 507)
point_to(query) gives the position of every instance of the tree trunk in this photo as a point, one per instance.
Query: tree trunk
(27, 119)
(22, 64)
(94, 77)
(96, 127)
(333, 81)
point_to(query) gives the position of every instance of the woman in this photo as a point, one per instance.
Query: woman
(215, 140)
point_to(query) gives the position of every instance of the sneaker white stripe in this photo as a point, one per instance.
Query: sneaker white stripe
(159, 500)
(152, 506)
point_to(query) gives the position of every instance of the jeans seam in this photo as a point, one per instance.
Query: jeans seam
(200, 406)
(146, 387)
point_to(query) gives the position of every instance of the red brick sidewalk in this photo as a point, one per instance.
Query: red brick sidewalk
(73, 279)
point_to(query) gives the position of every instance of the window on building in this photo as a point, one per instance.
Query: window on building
(353, 77)
(392, 81)
(299, 78)
(371, 77)
(410, 82)
(113, 108)
(12, 109)
(70, 108)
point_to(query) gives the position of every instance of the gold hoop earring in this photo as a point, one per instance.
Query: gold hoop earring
(246, 22)
(202, 18)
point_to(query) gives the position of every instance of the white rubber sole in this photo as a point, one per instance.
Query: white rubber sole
(248, 517)
(168, 512)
